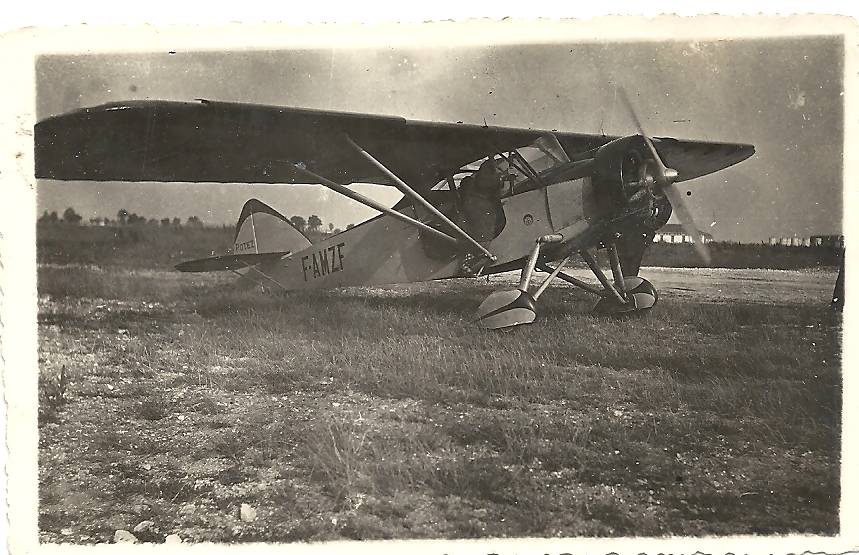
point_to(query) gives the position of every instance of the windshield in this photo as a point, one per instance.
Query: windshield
(542, 156)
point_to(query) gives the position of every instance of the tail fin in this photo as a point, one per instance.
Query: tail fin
(262, 235)
(262, 229)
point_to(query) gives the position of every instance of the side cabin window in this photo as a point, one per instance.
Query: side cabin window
(514, 174)
(473, 196)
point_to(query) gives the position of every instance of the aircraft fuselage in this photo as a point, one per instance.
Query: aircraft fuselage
(384, 250)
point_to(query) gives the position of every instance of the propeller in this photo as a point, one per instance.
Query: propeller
(664, 179)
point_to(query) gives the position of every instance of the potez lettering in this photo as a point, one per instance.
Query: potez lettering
(247, 245)
(323, 262)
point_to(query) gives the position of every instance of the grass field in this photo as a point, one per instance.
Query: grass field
(384, 413)
(144, 246)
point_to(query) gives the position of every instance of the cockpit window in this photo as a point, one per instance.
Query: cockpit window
(541, 156)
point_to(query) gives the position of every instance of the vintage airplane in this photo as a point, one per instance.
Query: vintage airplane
(477, 199)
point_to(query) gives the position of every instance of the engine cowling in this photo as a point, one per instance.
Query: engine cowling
(621, 160)
(625, 184)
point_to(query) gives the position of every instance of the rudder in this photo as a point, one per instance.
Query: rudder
(262, 229)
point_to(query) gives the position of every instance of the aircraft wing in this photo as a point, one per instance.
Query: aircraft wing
(224, 142)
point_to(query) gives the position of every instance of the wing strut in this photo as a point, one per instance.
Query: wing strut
(358, 197)
(406, 190)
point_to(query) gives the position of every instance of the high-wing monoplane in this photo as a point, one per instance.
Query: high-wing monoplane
(476, 199)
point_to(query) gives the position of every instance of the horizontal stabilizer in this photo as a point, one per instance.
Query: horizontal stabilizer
(229, 262)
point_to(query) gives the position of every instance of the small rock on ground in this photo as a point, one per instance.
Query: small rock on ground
(124, 536)
(143, 526)
(247, 513)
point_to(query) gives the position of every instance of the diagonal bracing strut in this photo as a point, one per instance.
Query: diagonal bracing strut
(592, 263)
(366, 201)
(550, 277)
(572, 280)
(253, 268)
(406, 190)
(616, 270)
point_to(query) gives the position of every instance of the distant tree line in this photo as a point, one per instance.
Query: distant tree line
(312, 225)
(123, 217)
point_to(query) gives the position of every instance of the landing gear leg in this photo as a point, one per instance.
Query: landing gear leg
(607, 285)
(505, 309)
(628, 294)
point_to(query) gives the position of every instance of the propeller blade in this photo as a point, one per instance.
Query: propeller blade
(625, 99)
(667, 175)
(675, 197)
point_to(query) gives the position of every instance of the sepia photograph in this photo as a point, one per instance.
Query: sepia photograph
(458, 286)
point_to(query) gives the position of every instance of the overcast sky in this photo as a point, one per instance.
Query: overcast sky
(782, 95)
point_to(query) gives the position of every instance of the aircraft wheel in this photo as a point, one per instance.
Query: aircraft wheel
(640, 293)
